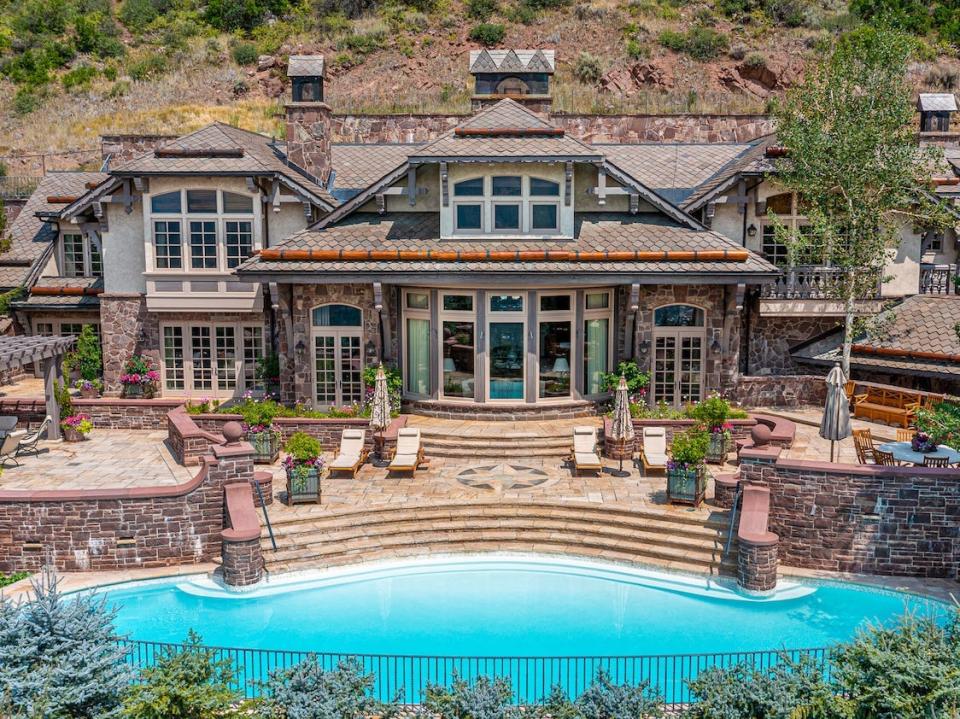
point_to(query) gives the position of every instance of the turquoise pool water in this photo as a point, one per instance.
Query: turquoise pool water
(504, 607)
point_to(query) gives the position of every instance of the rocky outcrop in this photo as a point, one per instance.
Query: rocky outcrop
(640, 76)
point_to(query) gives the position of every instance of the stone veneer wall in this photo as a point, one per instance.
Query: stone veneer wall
(81, 530)
(780, 391)
(757, 566)
(861, 518)
(106, 413)
(369, 129)
(770, 339)
(308, 137)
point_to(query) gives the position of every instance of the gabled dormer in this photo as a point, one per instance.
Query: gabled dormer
(521, 75)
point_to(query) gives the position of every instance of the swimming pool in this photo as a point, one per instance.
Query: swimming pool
(503, 607)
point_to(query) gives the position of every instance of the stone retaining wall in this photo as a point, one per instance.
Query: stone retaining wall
(82, 530)
(780, 391)
(861, 518)
(106, 413)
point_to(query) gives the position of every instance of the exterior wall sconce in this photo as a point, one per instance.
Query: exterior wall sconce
(643, 347)
(370, 349)
(752, 230)
(715, 344)
(301, 347)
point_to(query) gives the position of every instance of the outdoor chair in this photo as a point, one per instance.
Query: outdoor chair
(584, 453)
(409, 452)
(653, 452)
(352, 452)
(28, 445)
(936, 461)
(905, 435)
(8, 450)
(863, 444)
(884, 459)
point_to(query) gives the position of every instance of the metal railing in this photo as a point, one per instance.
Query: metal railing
(939, 280)
(532, 678)
(811, 282)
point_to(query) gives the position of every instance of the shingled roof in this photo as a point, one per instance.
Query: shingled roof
(359, 166)
(937, 102)
(512, 61)
(918, 337)
(31, 237)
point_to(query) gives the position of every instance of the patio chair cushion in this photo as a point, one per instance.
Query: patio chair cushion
(586, 459)
(12, 441)
(351, 442)
(585, 440)
(404, 460)
(345, 461)
(408, 441)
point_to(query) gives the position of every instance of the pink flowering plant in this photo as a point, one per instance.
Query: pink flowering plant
(139, 371)
(78, 422)
(303, 457)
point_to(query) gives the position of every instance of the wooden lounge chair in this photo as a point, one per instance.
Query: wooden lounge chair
(409, 452)
(863, 444)
(8, 449)
(352, 452)
(936, 461)
(884, 459)
(28, 444)
(584, 453)
(653, 452)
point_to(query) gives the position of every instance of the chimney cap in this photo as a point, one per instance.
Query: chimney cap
(306, 66)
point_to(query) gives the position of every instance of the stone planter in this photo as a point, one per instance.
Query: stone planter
(71, 434)
(138, 391)
(266, 446)
(720, 446)
(303, 486)
(686, 485)
(89, 393)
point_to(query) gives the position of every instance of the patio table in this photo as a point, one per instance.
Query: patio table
(7, 425)
(903, 452)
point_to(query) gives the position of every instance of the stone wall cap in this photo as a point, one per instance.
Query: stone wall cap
(872, 470)
(759, 539)
(768, 453)
(118, 494)
(241, 449)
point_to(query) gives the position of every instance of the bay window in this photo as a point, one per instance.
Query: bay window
(214, 359)
(214, 229)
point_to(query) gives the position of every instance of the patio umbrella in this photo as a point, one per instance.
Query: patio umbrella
(380, 408)
(835, 424)
(622, 429)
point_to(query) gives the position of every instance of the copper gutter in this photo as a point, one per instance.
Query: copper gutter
(66, 291)
(732, 255)
(908, 354)
(61, 199)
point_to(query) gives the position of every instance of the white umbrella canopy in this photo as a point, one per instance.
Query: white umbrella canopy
(835, 424)
(380, 406)
(622, 427)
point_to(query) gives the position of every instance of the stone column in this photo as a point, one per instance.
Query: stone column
(757, 565)
(126, 329)
(242, 559)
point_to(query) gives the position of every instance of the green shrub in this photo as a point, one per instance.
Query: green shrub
(60, 658)
(755, 59)
(699, 42)
(97, 33)
(7, 579)
(26, 100)
(637, 379)
(303, 447)
(713, 411)
(241, 14)
(363, 43)
(186, 682)
(244, 53)
(521, 13)
(637, 50)
(86, 359)
(588, 68)
(110, 72)
(487, 33)
(690, 446)
(941, 422)
(79, 77)
(308, 691)
(150, 65)
(138, 14)
(41, 17)
(792, 13)
(257, 412)
(119, 89)
(481, 9)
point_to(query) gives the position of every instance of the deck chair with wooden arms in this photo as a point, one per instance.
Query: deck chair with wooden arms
(352, 452)
(28, 444)
(8, 450)
(905, 435)
(409, 452)
(653, 452)
(863, 444)
(584, 454)
(936, 461)
(884, 459)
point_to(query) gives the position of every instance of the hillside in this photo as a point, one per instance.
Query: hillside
(73, 69)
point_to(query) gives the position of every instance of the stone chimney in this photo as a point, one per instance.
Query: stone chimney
(521, 75)
(308, 117)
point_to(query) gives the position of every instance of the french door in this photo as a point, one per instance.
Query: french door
(678, 367)
(338, 368)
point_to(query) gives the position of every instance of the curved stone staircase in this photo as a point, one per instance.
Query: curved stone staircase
(498, 440)
(669, 539)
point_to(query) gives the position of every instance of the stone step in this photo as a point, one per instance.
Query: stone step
(531, 514)
(495, 453)
(511, 443)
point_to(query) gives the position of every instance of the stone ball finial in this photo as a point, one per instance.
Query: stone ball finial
(232, 432)
(760, 434)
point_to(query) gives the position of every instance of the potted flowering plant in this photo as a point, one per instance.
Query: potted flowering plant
(258, 416)
(304, 465)
(139, 378)
(923, 442)
(714, 412)
(686, 474)
(89, 388)
(76, 427)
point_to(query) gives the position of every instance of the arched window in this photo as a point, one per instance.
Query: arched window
(512, 86)
(337, 316)
(678, 316)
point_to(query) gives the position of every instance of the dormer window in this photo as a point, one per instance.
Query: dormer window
(80, 256)
(506, 205)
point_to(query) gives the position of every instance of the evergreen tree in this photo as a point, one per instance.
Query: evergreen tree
(59, 657)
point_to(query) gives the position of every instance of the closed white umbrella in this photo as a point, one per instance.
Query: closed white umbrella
(380, 408)
(835, 424)
(622, 428)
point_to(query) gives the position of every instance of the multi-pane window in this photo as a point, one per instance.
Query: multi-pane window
(214, 228)
(239, 236)
(203, 245)
(506, 204)
(167, 248)
(787, 208)
(211, 359)
(81, 256)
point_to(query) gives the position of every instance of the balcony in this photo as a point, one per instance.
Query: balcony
(939, 279)
(811, 289)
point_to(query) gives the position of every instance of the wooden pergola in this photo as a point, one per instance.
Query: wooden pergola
(20, 350)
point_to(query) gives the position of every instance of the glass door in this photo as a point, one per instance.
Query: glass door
(678, 369)
(338, 368)
(350, 369)
(325, 370)
(507, 350)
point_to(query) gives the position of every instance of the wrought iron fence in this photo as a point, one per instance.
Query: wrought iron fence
(939, 280)
(405, 677)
